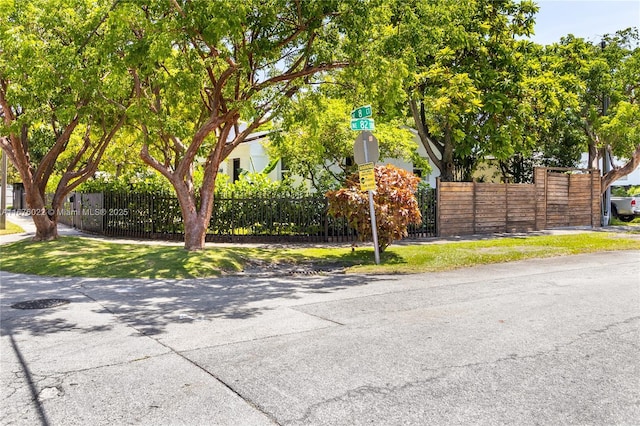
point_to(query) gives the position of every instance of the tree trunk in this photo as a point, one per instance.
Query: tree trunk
(196, 220)
(46, 228)
(620, 172)
(447, 172)
(195, 231)
(448, 168)
(592, 148)
(44, 220)
(593, 156)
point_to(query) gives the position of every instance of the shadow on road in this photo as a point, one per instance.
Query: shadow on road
(149, 305)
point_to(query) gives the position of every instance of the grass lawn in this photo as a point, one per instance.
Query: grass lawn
(11, 228)
(618, 222)
(83, 257)
(441, 257)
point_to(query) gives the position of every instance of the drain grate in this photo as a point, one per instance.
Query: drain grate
(304, 272)
(40, 304)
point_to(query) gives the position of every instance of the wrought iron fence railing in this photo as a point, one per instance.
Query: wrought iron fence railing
(157, 216)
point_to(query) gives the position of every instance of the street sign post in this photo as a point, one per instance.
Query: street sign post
(366, 153)
(363, 124)
(362, 112)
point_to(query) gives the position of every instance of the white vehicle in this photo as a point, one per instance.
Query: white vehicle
(625, 208)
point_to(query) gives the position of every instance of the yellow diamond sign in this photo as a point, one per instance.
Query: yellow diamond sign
(367, 177)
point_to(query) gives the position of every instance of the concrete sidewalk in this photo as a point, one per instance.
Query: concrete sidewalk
(27, 224)
(546, 341)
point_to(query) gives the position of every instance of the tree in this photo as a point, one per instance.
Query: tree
(549, 102)
(61, 99)
(580, 97)
(621, 132)
(465, 77)
(209, 73)
(608, 75)
(619, 128)
(395, 204)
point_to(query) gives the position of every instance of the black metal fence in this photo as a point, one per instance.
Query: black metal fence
(157, 216)
(427, 204)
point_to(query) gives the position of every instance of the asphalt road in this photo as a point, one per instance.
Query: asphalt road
(550, 341)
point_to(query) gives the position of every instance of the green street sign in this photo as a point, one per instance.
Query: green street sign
(363, 124)
(362, 112)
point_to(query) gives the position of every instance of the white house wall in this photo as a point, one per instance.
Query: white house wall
(253, 158)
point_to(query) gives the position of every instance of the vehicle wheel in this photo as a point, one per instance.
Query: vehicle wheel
(626, 218)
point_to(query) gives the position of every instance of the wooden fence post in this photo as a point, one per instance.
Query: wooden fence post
(475, 207)
(596, 198)
(540, 180)
(438, 207)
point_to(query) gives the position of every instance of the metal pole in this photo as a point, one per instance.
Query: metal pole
(606, 197)
(3, 192)
(606, 163)
(372, 212)
(374, 227)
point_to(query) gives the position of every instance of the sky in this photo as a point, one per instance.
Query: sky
(589, 19)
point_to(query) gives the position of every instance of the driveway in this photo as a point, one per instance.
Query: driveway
(547, 341)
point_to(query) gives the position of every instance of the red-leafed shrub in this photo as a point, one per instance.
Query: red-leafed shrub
(394, 199)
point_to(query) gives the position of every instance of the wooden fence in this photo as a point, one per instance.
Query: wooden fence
(557, 198)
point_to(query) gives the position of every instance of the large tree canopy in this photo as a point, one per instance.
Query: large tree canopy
(62, 97)
(550, 104)
(208, 73)
(465, 82)
(619, 127)
(607, 76)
